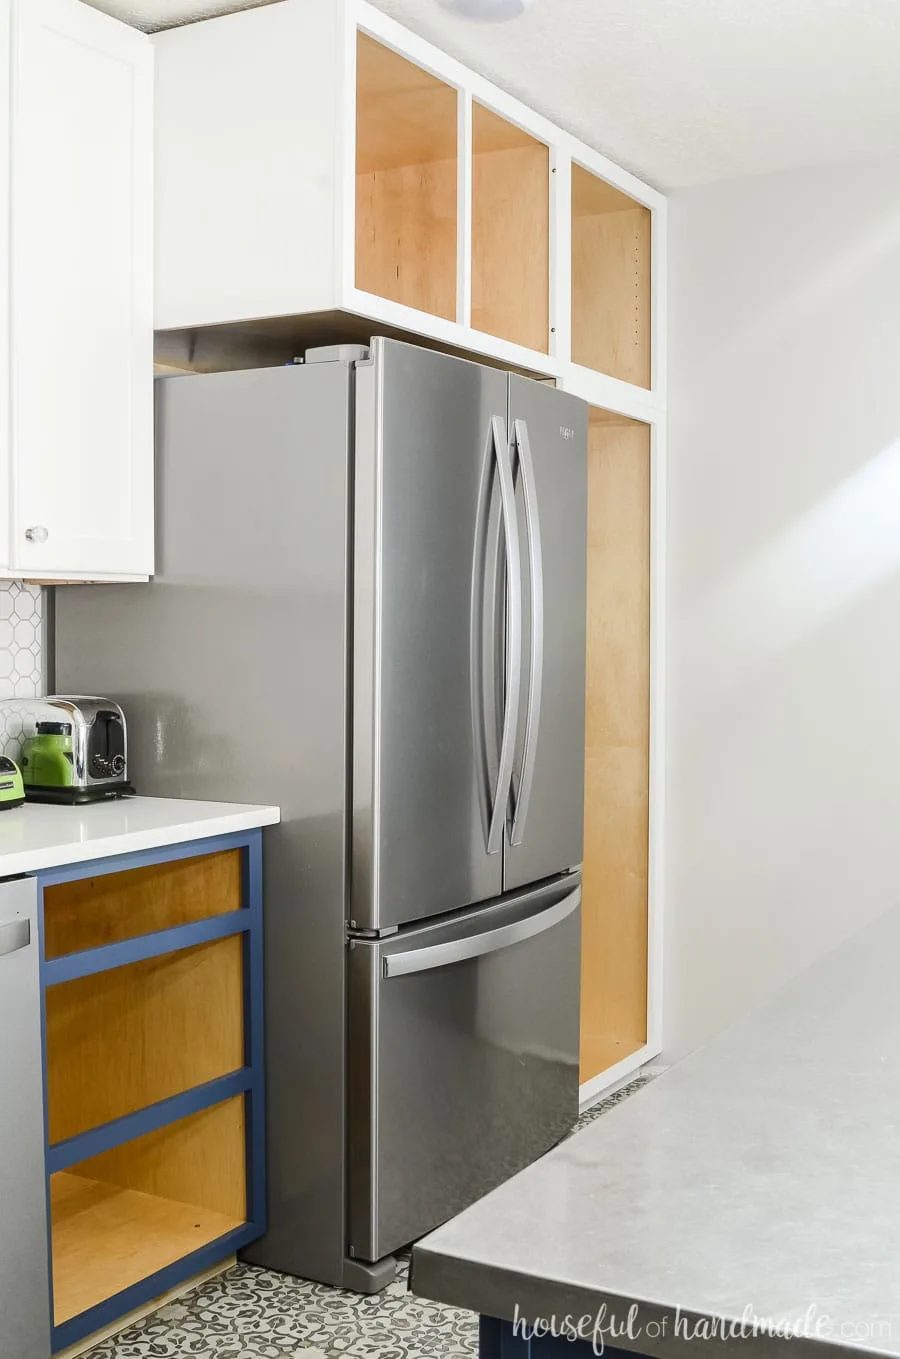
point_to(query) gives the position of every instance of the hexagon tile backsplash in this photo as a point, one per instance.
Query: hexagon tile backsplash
(21, 661)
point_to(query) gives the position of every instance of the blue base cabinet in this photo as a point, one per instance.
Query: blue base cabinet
(150, 970)
(506, 1340)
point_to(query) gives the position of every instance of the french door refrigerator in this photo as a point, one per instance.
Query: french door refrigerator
(370, 609)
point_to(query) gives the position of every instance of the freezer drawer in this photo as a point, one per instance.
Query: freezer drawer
(463, 1059)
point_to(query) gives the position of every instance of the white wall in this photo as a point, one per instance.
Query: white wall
(784, 537)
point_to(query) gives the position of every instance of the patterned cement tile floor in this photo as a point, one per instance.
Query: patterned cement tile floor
(250, 1313)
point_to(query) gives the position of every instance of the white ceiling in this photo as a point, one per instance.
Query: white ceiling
(680, 91)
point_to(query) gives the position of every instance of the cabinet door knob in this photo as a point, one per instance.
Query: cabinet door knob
(38, 534)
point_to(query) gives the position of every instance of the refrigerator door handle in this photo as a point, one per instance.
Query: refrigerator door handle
(503, 460)
(476, 633)
(536, 581)
(488, 941)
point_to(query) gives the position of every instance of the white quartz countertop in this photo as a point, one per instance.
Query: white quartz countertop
(748, 1197)
(39, 836)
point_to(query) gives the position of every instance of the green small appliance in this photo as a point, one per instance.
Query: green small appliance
(12, 789)
(47, 760)
(80, 756)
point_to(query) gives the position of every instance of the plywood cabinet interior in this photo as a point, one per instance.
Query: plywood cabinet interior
(510, 231)
(150, 974)
(119, 1217)
(617, 745)
(123, 1039)
(610, 280)
(406, 181)
(106, 909)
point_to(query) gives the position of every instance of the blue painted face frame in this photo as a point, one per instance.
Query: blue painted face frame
(248, 1080)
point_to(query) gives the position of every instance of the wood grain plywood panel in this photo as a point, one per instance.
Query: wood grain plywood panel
(106, 1239)
(124, 1039)
(406, 181)
(104, 910)
(610, 281)
(200, 1160)
(617, 746)
(404, 115)
(593, 197)
(406, 221)
(510, 232)
(136, 1314)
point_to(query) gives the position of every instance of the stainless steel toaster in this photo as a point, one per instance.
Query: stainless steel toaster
(99, 755)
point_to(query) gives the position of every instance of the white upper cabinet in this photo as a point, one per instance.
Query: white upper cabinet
(79, 451)
(316, 159)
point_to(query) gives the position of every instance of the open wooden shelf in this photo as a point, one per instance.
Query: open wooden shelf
(124, 1039)
(406, 181)
(510, 231)
(91, 912)
(617, 744)
(122, 1216)
(610, 280)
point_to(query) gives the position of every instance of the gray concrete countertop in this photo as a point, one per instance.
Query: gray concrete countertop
(757, 1181)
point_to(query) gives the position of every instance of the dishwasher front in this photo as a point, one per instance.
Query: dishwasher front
(24, 1280)
(463, 1059)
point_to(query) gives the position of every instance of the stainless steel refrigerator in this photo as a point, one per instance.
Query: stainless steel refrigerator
(369, 608)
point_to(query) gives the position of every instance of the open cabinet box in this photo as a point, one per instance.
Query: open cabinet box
(510, 231)
(127, 1214)
(402, 194)
(615, 903)
(366, 176)
(611, 240)
(151, 976)
(406, 181)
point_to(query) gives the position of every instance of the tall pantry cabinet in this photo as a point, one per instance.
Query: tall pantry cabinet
(364, 182)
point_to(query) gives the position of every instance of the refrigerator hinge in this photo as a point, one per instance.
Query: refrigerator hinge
(371, 934)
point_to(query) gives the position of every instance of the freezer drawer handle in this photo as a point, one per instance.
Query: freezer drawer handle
(458, 950)
(536, 581)
(14, 935)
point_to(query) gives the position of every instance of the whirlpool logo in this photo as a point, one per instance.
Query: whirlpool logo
(566, 432)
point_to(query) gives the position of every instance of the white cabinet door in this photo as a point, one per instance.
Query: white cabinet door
(5, 59)
(81, 284)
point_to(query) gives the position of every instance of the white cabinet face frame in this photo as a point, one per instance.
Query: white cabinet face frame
(296, 63)
(616, 1075)
(599, 388)
(360, 16)
(657, 798)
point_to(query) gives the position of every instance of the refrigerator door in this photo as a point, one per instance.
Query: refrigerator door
(433, 471)
(548, 434)
(463, 1059)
